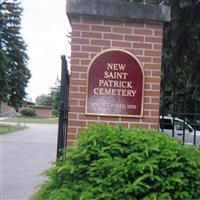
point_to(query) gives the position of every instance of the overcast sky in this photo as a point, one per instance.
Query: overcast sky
(44, 29)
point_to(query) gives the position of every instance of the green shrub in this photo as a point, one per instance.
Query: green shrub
(114, 163)
(28, 112)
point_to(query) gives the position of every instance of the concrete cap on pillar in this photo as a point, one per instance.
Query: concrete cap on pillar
(118, 10)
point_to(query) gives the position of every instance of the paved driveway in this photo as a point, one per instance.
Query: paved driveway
(24, 155)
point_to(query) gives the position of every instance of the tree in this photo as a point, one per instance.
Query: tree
(181, 49)
(13, 65)
(45, 100)
(55, 93)
(51, 99)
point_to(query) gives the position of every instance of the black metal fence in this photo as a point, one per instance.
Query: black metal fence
(64, 108)
(179, 111)
(180, 108)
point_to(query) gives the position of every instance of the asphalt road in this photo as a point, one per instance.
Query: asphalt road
(24, 155)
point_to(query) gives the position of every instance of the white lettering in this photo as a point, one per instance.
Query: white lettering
(116, 66)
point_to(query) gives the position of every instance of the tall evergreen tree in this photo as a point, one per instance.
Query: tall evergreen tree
(13, 65)
(181, 49)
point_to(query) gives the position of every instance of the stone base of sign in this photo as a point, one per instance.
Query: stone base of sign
(93, 34)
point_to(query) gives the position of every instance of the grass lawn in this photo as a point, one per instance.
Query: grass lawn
(32, 120)
(7, 128)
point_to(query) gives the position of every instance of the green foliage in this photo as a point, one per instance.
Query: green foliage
(52, 99)
(35, 120)
(7, 128)
(55, 94)
(45, 100)
(181, 49)
(28, 112)
(114, 163)
(14, 74)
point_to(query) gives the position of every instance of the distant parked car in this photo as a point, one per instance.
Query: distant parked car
(166, 124)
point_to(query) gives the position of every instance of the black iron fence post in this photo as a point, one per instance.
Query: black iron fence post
(195, 120)
(184, 111)
(174, 98)
(163, 97)
(64, 104)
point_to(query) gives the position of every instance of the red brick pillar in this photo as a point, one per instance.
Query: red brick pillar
(94, 30)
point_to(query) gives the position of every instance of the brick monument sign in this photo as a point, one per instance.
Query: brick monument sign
(116, 51)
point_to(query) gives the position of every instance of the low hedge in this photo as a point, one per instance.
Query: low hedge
(114, 163)
(27, 112)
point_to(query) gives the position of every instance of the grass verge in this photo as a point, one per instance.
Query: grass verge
(7, 128)
(32, 120)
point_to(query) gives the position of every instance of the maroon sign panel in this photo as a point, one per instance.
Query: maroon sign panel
(115, 85)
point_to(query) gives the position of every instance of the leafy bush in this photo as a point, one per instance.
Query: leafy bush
(27, 112)
(114, 163)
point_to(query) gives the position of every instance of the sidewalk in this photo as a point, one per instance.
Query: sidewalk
(24, 156)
